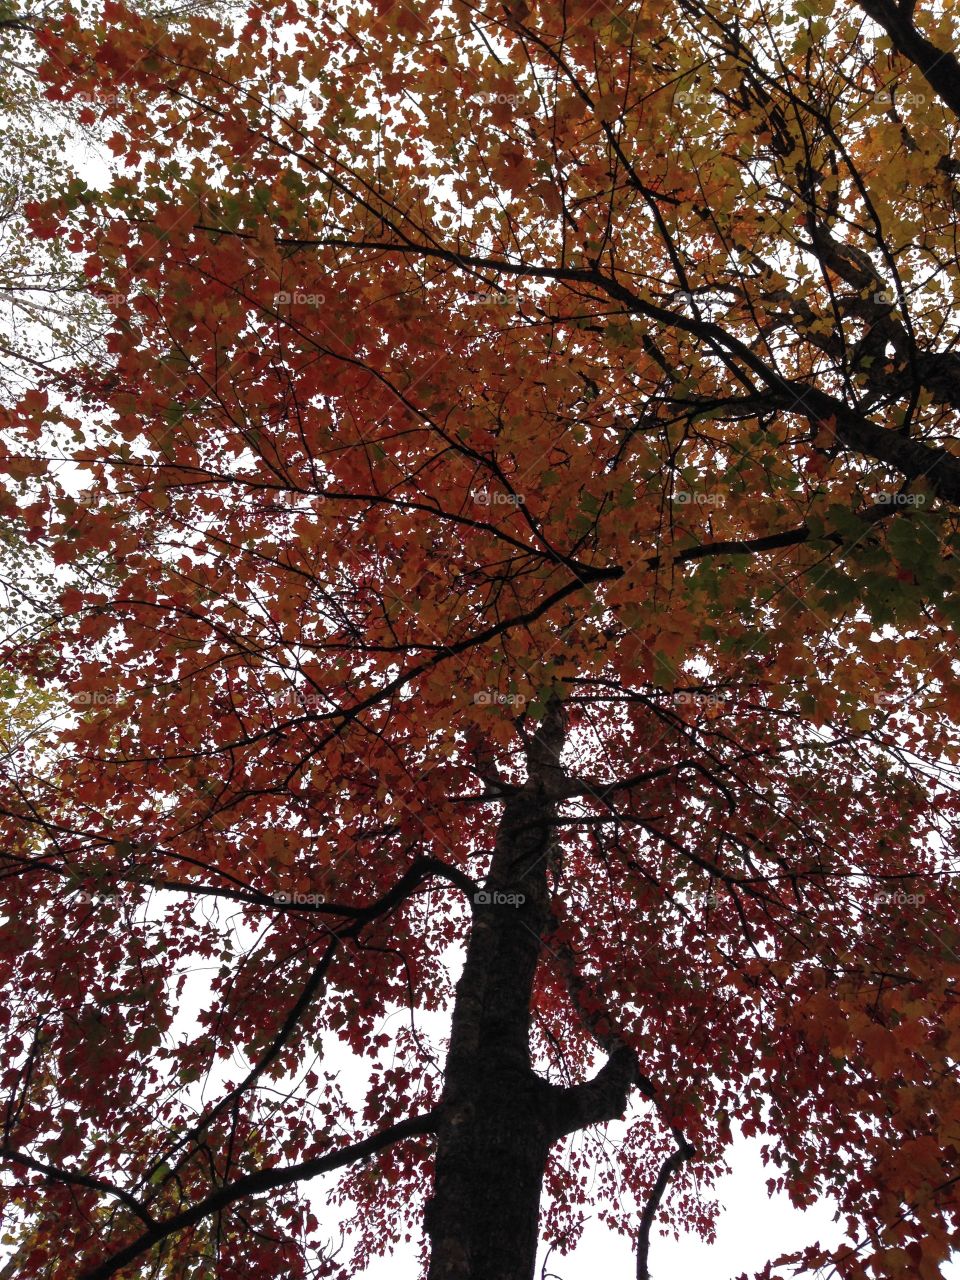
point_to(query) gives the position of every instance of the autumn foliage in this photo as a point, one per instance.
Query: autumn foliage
(512, 529)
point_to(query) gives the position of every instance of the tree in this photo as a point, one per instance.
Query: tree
(522, 519)
(47, 316)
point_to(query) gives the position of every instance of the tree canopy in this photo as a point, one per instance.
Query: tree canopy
(502, 566)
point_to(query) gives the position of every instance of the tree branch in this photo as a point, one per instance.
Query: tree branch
(602, 1098)
(74, 1179)
(418, 873)
(254, 1184)
(939, 67)
(312, 986)
(667, 1170)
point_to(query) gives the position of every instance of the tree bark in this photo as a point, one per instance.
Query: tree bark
(498, 1118)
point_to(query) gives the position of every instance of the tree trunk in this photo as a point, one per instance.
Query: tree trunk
(498, 1118)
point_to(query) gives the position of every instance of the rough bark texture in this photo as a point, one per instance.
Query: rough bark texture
(498, 1117)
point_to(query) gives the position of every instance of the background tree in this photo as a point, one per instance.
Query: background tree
(526, 487)
(48, 315)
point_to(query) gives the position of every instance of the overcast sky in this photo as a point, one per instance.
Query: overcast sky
(753, 1228)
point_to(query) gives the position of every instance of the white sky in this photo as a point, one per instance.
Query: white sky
(753, 1228)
